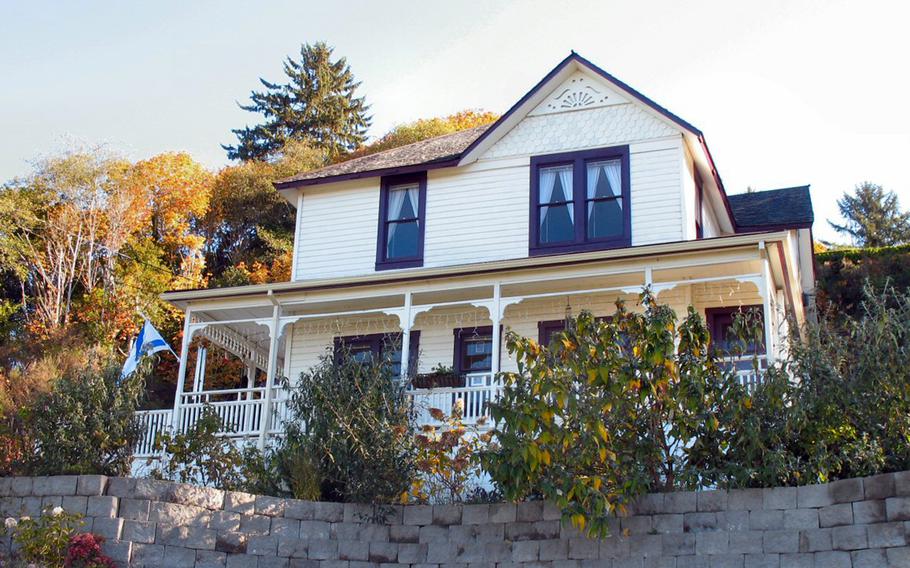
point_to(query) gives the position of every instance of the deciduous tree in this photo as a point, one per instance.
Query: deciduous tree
(425, 128)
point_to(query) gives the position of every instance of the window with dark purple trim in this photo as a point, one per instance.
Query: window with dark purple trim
(580, 201)
(546, 330)
(402, 216)
(379, 346)
(720, 325)
(474, 350)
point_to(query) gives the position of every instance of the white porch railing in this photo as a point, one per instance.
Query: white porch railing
(476, 396)
(241, 410)
(152, 423)
(746, 371)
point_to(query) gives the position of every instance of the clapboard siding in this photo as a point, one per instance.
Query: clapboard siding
(477, 213)
(480, 212)
(338, 227)
(656, 198)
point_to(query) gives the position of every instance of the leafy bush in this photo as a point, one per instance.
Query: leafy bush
(448, 459)
(837, 407)
(200, 455)
(43, 541)
(285, 470)
(85, 425)
(84, 551)
(350, 433)
(607, 411)
(843, 274)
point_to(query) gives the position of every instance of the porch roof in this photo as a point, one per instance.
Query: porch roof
(182, 298)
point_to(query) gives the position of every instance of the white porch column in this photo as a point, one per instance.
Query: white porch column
(766, 288)
(405, 323)
(181, 372)
(250, 375)
(496, 317)
(199, 374)
(274, 333)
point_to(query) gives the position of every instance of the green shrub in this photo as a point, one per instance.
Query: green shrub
(837, 407)
(286, 470)
(201, 455)
(43, 541)
(842, 275)
(85, 425)
(350, 434)
(607, 411)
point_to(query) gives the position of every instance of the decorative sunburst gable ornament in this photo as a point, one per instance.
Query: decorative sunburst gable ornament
(580, 91)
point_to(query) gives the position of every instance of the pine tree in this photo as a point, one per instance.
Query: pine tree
(873, 217)
(317, 105)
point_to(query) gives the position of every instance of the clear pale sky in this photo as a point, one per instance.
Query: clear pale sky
(787, 92)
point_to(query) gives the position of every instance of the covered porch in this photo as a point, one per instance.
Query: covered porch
(451, 322)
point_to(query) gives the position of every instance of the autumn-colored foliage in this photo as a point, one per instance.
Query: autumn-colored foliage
(448, 458)
(90, 240)
(425, 128)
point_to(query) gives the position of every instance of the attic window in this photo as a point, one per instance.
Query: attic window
(402, 213)
(580, 201)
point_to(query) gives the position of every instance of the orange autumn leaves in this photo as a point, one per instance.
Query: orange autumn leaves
(169, 191)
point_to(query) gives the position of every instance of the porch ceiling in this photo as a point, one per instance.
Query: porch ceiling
(664, 274)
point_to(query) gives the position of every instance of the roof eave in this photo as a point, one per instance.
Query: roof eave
(409, 169)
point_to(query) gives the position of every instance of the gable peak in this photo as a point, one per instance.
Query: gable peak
(579, 91)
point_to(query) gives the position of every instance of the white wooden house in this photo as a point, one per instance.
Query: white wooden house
(585, 191)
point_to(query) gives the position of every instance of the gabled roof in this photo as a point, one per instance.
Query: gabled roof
(437, 152)
(789, 208)
(454, 149)
(573, 61)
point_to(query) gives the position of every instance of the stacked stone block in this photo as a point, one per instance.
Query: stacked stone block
(851, 523)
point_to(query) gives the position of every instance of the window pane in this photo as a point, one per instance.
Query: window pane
(556, 223)
(605, 218)
(403, 202)
(477, 354)
(402, 240)
(604, 179)
(361, 353)
(555, 184)
(552, 330)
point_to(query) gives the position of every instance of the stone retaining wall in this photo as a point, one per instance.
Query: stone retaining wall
(855, 522)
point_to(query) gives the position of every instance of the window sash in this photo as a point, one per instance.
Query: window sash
(579, 202)
(402, 212)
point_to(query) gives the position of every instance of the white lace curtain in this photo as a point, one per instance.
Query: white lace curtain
(398, 197)
(548, 184)
(613, 172)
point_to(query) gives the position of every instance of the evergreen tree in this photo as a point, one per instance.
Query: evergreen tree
(317, 105)
(873, 217)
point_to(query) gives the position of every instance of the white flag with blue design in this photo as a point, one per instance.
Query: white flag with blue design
(148, 342)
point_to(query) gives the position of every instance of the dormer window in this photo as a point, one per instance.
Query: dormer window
(402, 211)
(580, 201)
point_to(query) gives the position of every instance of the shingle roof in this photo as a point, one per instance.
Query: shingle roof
(438, 150)
(788, 207)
